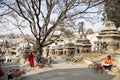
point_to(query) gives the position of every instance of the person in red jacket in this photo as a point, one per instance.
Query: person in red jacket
(108, 63)
(31, 59)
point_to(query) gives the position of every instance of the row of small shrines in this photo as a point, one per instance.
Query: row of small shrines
(69, 49)
(78, 49)
(108, 39)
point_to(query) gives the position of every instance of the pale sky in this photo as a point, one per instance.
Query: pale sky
(96, 25)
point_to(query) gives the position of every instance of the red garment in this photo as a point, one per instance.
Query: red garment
(31, 60)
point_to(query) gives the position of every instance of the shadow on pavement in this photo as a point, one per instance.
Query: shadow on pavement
(70, 74)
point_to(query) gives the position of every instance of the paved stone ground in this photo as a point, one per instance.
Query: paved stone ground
(6, 67)
(71, 74)
(63, 74)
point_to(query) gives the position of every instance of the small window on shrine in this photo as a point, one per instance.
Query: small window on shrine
(118, 45)
(118, 0)
(78, 51)
(65, 52)
(61, 53)
(72, 52)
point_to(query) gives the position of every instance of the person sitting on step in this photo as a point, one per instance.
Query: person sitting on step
(108, 63)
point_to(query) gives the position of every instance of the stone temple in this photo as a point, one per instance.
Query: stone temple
(83, 44)
(76, 46)
(109, 38)
(108, 41)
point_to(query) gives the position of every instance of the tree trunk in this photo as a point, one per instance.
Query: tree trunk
(39, 47)
(40, 50)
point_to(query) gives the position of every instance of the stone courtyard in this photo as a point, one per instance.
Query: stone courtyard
(71, 74)
(59, 39)
(61, 71)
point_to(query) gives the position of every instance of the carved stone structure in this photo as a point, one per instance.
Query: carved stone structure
(69, 49)
(52, 50)
(83, 44)
(59, 50)
(109, 37)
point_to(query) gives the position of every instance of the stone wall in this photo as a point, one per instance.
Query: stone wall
(117, 59)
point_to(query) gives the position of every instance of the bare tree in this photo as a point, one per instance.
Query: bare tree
(67, 33)
(44, 16)
(89, 31)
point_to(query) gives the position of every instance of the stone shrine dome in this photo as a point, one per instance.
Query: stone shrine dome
(109, 37)
(109, 26)
(109, 29)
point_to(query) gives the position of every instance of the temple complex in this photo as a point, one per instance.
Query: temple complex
(76, 46)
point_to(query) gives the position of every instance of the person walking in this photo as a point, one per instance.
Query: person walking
(38, 58)
(31, 59)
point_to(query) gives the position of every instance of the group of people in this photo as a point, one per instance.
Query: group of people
(31, 57)
(108, 62)
(38, 57)
(106, 65)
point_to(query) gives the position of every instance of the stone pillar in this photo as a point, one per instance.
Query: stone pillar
(117, 59)
(100, 46)
(67, 52)
(55, 52)
(64, 52)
